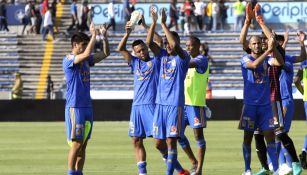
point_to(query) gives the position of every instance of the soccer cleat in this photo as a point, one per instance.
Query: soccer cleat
(297, 168)
(285, 169)
(184, 172)
(303, 159)
(258, 14)
(250, 14)
(263, 172)
(193, 169)
(248, 172)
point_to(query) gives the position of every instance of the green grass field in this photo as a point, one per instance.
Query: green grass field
(41, 149)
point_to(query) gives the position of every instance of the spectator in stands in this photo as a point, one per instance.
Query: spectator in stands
(253, 22)
(208, 16)
(43, 10)
(50, 89)
(39, 19)
(215, 14)
(48, 24)
(33, 17)
(17, 88)
(188, 10)
(74, 16)
(199, 13)
(223, 13)
(84, 16)
(111, 14)
(27, 17)
(53, 13)
(173, 14)
(132, 8)
(126, 10)
(204, 50)
(3, 20)
(239, 9)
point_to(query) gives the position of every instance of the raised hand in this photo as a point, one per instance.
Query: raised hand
(128, 27)
(153, 14)
(271, 42)
(92, 29)
(103, 30)
(301, 36)
(163, 16)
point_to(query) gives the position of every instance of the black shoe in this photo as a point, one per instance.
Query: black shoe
(303, 159)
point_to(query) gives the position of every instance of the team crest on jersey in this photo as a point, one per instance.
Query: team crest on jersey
(149, 64)
(78, 131)
(70, 56)
(169, 66)
(173, 130)
(196, 121)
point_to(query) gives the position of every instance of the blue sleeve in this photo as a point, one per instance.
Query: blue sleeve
(287, 66)
(186, 59)
(245, 60)
(68, 62)
(201, 64)
(132, 63)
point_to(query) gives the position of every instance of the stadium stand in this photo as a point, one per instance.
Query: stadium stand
(113, 73)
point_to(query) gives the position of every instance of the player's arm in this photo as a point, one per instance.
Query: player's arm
(105, 43)
(286, 36)
(303, 55)
(297, 81)
(156, 37)
(173, 43)
(149, 40)
(248, 18)
(258, 61)
(83, 56)
(122, 45)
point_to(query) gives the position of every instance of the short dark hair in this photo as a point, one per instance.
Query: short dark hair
(280, 38)
(195, 39)
(137, 42)
(79, 37)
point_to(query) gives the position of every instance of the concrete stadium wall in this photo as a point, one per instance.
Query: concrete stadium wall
(111, 110)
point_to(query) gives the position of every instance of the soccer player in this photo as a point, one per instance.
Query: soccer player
(286, 79)
(274, 73)
(146, 75)
(78, 109)
(168, 116)
(302, 76)
(195, 91)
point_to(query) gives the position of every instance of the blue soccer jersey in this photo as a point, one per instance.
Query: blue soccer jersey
(304, 64)
(146, 76)
(78, 81)
(286, 78)
(171, 82)
(256, 82)
(201, 63)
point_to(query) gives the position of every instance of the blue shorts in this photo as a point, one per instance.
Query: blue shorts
(141, 119)
(195, 116)
(253, 117)
(79, 123)
(288, 108)
(168, 122)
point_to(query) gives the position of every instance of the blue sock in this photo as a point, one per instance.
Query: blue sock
(142, 167)
(287, 156)
(305, 144)
(171, 161)
(79, 173)
(282, 158)
(183, 142)
(71, 172)
(247, 156)
(271, 147)
(177, 165)
(278, 146)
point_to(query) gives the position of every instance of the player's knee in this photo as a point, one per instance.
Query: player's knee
(183, 142)
(137, 141)
(76, 145)
(201, 143)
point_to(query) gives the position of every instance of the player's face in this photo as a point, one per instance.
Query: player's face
(255, 45)
(168, 48)
(80, 47)
(192, 48)
(141, 51)
(264, 43)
